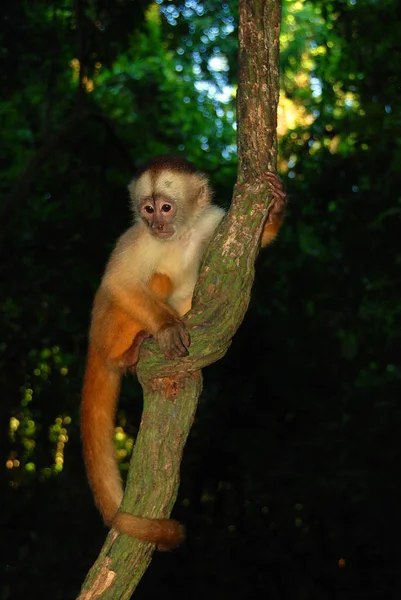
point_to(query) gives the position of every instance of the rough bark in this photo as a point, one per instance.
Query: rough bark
(171, 389)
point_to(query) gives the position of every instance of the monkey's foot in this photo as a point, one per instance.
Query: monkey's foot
(276, 213)
(131, 356)
(276, 186)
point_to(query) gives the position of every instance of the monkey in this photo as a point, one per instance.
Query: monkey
(146, 288)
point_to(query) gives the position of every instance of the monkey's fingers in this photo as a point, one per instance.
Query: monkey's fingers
(179, 341)
(174, 340)
(184, 335)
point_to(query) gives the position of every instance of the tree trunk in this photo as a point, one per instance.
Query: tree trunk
(172, 388)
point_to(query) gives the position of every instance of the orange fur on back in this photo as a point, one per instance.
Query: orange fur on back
(105, 367)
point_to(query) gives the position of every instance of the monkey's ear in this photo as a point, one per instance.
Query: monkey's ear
(205, 194)
(131, 188)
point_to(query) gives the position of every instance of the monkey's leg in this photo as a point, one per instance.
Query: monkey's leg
(162, 286)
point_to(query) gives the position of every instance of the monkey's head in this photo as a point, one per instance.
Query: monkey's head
(168, 194)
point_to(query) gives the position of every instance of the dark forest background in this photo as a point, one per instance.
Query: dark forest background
(290, 480)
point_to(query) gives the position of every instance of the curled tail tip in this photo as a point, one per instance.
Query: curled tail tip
(165, 533)
(173, 535)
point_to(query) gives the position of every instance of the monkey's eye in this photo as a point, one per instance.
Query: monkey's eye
(166, 207)
(149, 209)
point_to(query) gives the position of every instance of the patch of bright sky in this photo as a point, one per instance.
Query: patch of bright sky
(316, 86)
(216, 89)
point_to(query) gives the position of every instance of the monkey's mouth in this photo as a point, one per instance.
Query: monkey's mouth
(163, 235)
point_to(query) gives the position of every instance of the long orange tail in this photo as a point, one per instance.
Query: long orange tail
(99, 400)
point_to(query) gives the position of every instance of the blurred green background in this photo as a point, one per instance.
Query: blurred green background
(290, 484)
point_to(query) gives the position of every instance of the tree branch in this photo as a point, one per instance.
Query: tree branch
(258, 87)
(172, 389)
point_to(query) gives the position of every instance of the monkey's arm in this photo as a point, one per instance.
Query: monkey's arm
(143, 306)
(276, 214)
(125, 285)
(162, 286)
(143, 309)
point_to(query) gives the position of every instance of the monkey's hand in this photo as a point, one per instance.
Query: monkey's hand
(174, 340)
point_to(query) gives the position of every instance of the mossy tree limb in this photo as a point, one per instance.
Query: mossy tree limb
(172, 388)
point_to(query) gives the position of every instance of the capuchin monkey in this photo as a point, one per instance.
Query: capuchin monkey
(146, 288)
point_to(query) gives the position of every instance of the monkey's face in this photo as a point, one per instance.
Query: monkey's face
(159, 214)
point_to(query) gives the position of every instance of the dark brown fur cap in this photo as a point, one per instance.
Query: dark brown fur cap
(174, 162)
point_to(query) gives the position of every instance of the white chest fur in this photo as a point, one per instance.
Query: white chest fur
(180, 258)
(137, 257)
